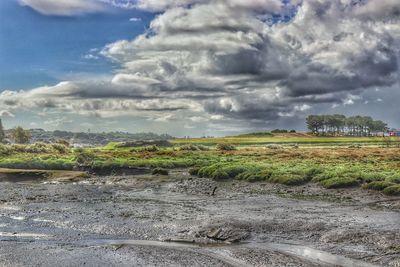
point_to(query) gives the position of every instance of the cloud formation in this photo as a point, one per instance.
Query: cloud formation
(64, 7)
(238, 60)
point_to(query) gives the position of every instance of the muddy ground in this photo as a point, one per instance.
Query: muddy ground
(179, 220)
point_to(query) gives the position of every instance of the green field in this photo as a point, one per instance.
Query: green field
(292, 160)
(286, 139)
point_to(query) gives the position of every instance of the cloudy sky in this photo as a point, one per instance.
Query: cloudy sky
(196, 67)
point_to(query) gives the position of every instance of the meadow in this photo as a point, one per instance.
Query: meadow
(371, 163)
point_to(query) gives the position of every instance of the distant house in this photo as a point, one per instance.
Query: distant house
(394, 132)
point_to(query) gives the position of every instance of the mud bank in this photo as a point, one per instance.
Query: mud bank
(145, 220)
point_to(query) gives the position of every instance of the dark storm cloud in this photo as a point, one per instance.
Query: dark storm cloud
(206, 58)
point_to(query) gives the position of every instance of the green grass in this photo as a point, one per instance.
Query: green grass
(340, 182)
(393, 190)
(378, 185)
(282, 161)
(288, 138)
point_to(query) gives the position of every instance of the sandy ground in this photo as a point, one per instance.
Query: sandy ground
(185, 221)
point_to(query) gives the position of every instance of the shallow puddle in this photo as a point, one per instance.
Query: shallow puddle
(311, 254)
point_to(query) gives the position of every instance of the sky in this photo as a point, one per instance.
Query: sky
(196, 67)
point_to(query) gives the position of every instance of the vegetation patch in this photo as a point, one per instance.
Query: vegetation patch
(158, 143)
(378, 185)
(191, 147)
(225, 147)
(339, 182)
(393, 190)
(160, 171)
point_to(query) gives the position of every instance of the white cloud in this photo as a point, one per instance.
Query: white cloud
(219, 60)
(135, 19)
(6, 113)
(64, 7)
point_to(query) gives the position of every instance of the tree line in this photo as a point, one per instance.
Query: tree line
(18, 134)
(341, 125)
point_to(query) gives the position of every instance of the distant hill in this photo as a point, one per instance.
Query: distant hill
(82, 138)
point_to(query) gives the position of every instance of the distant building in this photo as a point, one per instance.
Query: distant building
(394, 132)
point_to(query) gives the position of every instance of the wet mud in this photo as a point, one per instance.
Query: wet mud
(179, 220)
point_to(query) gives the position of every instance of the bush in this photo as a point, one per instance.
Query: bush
(393, 190)
(160, 171)
(36, 148)
(62, 149)
(279, 131)
(63, 142)
(85, 158)
(378, 185)
(225, 147)
(5, 150)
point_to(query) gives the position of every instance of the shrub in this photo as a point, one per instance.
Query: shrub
(279, 131)
(378, 185)
(225, 147)
(160, 171)
(393, 190)
(60, 148)
(85, 158)
(36, 148)
(63, 142)
(5, 150)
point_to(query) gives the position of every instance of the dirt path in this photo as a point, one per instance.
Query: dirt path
(125, 221)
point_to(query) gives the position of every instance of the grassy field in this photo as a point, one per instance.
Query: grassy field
(297, 138)
(356, 164)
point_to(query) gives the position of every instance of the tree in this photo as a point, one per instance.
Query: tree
(379, 126)
(314, 123)
(339, 124)
(20, 136)
(2, 134)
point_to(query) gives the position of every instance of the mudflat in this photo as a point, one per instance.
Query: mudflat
(181, 220)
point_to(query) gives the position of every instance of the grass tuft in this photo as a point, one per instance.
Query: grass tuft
(393, 190)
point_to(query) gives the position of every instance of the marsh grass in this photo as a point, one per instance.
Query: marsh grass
(393, 190)
(378, 185)
(331, 167)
